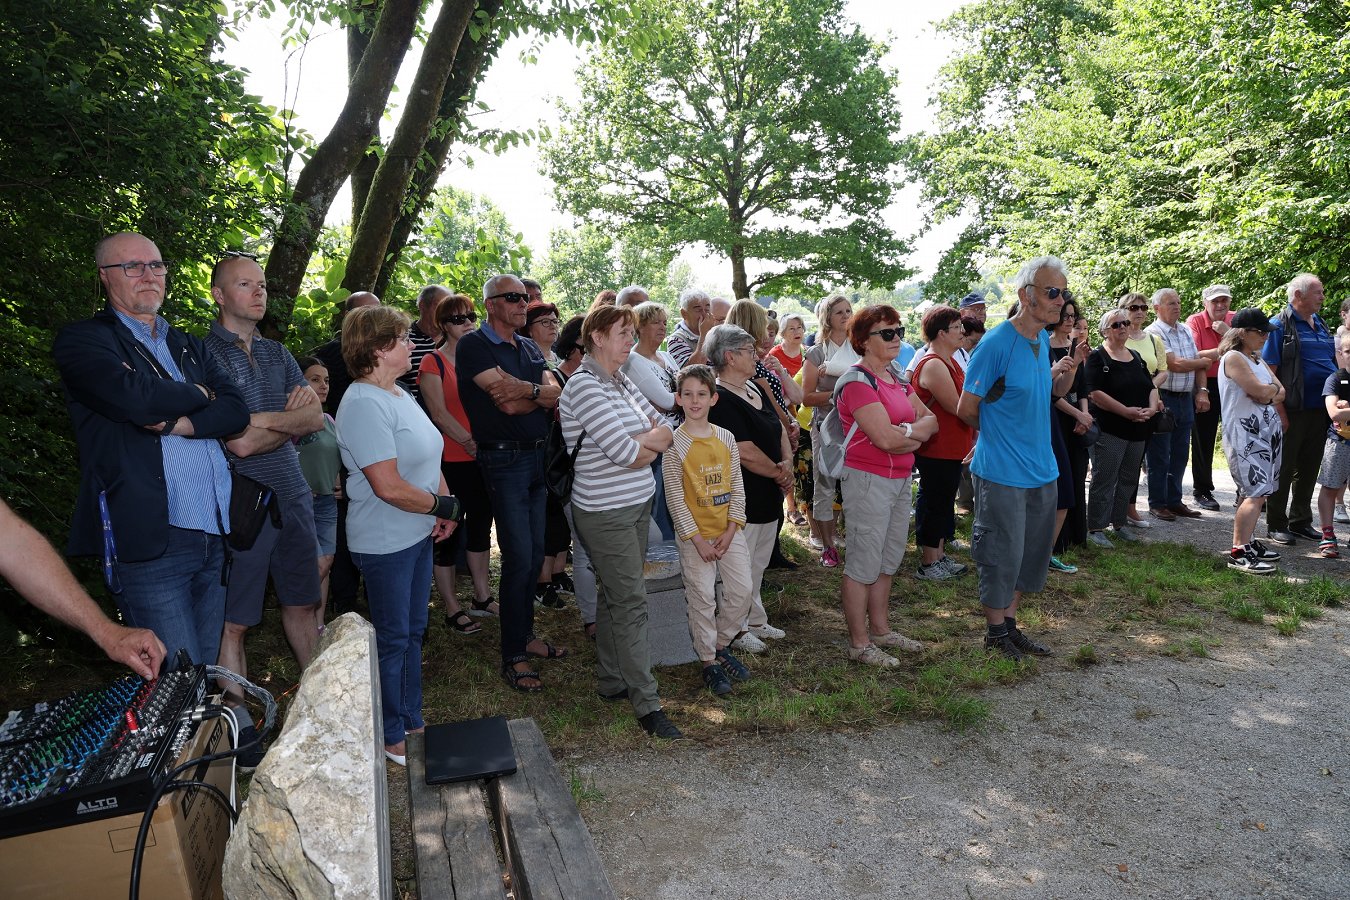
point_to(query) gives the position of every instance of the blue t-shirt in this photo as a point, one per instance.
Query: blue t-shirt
(1337, 385)
(1316, 351)
(1013, 448)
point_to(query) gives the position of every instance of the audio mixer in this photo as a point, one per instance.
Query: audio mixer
(94, 754)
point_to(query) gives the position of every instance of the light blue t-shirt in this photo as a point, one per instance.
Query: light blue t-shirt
(374, 425)
(1013, 448)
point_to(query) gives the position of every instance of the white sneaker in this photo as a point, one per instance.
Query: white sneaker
(958, 545)
(1341, 515)
(748, 643)
(767, 631)
(872, 656)
(953, 566)
(840, 543)
(814, 543)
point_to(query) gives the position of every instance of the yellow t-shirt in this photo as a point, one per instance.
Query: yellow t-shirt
(707, 485)
(1150, 348)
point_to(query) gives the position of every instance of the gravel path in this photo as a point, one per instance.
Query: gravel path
(1146, 776)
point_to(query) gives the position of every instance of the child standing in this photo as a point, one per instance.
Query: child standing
(1336, 456)
(706, 498)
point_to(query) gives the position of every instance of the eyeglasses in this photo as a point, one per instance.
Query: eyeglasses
(545, 320)
(889, 334)
(1119, 323)
(1138, 307)
(157, 267)
(1055, 293)
(461, 318)
(510, 297)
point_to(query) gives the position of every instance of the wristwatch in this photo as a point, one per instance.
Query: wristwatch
(909, 429)
(534, 392)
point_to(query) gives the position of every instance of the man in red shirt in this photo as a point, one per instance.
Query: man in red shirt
(1208, 327)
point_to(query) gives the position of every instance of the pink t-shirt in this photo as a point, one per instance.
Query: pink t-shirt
(861, 453)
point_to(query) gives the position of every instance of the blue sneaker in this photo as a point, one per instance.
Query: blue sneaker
(1056, 565)
(733, 666)
(716, 680)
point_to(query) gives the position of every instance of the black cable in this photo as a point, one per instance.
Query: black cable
(142, 833)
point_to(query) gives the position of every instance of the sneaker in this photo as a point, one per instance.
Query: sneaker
(830, 558)
(933, 571)
(872, 656)
(767, 631)
(563, 582)
(734, 668)
(1123, 535)
(249, 757)
(547, 595)
(814, 543)
(614, 697)
(1340, 515)
(953, 566)
(898, 641)
(1264, 553)
(1057, 565)
(1100, 539)
(1205, 500)
(657, 725)
(1003, 644)
(1246, 561)
(1327, 546)
(1026, 644)
(715, 680)
(748, 643)
(1138, 523)
(958, 545)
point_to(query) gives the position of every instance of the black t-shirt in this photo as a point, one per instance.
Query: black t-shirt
(760, 427)
(1127, 383)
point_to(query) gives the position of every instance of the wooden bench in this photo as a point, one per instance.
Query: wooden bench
(522, 833)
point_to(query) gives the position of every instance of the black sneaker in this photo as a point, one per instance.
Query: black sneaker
(1003, 644)
(1027, 645)
(732, 666)
(1264, 553)
(1247, 562)
(715, 679)
(249, 756)
(547, 595)
(563, 582)
(657, 725)
(614, 697)
(1205, 500)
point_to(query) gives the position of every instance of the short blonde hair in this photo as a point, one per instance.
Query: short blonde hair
(749, 315)
(367, 329)
(649, 312)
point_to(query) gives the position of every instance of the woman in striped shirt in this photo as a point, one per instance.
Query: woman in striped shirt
(612, 492)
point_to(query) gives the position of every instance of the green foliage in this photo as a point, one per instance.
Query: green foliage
(1148, 142)
(583, 261)
(470, 233)
(762, 129)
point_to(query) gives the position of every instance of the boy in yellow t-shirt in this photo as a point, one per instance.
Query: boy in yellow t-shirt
(706, 498)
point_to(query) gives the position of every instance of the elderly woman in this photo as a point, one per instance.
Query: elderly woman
(541, 326)
(399, 506)
(1125, 398)
(611, 502)
(938, 380)
(1252, 434)
(789, 353)
(892, 423)
(653, 371)
(455, 317)
(827, 359)
(1154, 354)
(746, 410)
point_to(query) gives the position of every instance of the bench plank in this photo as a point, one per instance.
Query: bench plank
(552, 853)
(452, 836)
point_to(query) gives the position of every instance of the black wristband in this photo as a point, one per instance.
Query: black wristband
(447, 507)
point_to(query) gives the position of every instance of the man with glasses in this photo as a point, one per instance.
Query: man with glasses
(1207, 329)
(1007, 397)
(424, 335)
(1185, 391)
(509, 397)
(282, 406)
(149, 405)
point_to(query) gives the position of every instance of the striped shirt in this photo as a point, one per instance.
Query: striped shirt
(266, 378)
(704, 487)
(1181, 344)
(613, 412)
(189, 463)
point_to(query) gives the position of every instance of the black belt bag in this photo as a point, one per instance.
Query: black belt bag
(251, 502)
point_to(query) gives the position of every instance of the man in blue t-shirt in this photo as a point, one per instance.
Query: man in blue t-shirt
(1302, 351)
(1007, 399)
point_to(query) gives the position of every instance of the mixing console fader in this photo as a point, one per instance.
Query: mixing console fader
(96, 753)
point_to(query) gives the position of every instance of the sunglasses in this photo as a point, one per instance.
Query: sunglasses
(1138, 307)
(889, 334)
(1119, 323)
(510, 297)
(1055, 293)
(461, 318)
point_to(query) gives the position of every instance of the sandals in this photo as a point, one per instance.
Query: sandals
(589, 630)
(550, 651)
(514, 677)
(486, 607)
(463, 624)
(797, 519)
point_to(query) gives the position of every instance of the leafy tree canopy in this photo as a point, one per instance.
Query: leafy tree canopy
(583, 261)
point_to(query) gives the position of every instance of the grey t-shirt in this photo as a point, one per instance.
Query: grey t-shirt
(374, 425)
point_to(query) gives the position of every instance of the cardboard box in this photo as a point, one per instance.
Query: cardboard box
(183, 853)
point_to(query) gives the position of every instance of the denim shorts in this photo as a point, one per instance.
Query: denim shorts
(325, 523)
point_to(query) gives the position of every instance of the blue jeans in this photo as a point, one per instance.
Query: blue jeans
(515, 483)
(1167, 453)
(179, 596)
(660, 514)
(398, 586)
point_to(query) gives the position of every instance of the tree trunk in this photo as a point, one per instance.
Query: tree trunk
(335, 157)
(358, 40)
(385, 200)
(471, 59)
(740, 289)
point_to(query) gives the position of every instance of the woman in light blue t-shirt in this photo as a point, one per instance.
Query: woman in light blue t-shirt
(399, 506)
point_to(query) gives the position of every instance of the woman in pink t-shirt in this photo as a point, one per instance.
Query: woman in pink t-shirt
(892, 423)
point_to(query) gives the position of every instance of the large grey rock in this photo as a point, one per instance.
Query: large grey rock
(316, 823)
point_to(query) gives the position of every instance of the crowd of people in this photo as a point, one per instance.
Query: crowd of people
(397, 450)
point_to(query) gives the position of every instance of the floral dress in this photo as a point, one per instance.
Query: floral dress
(1252, 435)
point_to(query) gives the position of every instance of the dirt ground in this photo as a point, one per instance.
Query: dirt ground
(1144, 776)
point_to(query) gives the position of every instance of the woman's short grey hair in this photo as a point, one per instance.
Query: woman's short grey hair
(1027, 274)
(1108, 317)
(649, 312)
(784, 321)
(721, 340)
(691, 295)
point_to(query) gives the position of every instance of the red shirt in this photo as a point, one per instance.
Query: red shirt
(1207, 338)
(793, 364)
(432, 363)
(954, 437)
